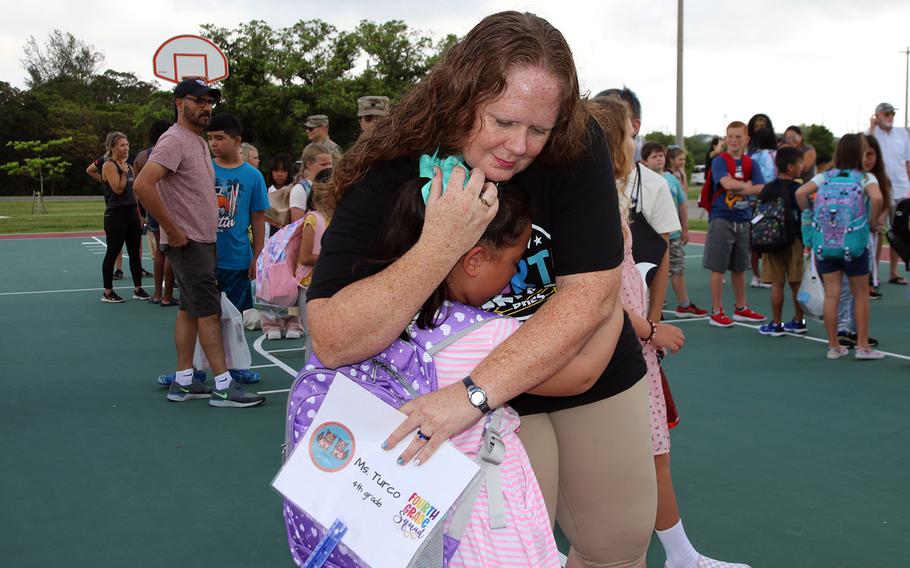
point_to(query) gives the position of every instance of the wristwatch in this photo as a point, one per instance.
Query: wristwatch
(476, 395)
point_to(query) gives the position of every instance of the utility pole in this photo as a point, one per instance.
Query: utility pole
(680, 138)
(906, 53)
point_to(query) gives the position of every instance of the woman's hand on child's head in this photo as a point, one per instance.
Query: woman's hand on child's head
(669, 337)
(456, 219)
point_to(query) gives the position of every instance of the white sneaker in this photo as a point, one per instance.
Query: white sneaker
(757, 283)
(292, 334)
(868, 353)
(838, 352)
(274, 334)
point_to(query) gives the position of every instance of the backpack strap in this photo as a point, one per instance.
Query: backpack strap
(471, 319)
(489, 458)
(747, 167)
(493, 449)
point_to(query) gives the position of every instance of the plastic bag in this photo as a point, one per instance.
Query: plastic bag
(811, 294)
(236, 351)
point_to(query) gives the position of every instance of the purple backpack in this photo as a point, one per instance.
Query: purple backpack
(404, 371)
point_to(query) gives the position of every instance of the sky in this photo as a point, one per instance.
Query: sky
(798, 61)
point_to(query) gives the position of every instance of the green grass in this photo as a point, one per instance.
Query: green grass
(71, 215)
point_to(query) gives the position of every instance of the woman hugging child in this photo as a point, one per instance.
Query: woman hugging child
(483, 272)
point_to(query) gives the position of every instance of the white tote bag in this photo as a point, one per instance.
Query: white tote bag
(812, 291)
(236, 351)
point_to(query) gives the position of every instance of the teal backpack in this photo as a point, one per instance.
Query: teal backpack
(839, 227)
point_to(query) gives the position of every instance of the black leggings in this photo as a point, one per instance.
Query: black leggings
(121, 225)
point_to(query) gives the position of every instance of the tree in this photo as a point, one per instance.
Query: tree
(661, 137)
(64, 56)
(39, 165)
(820, 137)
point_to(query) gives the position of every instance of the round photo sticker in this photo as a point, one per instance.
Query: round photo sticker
(331, 446)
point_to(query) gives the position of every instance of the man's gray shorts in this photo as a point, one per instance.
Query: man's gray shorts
(194, 271)
(727, 246)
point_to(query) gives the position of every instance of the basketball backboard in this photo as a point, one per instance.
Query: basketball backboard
(190, 57)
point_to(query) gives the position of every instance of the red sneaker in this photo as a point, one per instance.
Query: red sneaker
(690, 311)
(720, 319)
(746, 314)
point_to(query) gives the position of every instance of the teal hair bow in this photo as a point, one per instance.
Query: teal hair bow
(447, 165)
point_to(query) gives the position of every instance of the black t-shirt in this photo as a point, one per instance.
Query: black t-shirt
(576, 230)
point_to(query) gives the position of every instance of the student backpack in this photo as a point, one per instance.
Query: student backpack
(709, 189)
(840, 228)
(404, 371)
(775, 225)
(276, 284)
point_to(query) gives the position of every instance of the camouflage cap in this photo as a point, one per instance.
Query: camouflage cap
(316, 121)
(372, 106)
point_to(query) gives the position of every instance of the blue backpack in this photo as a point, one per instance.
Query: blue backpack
(840, 227)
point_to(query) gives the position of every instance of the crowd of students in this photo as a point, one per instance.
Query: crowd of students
(494, 185)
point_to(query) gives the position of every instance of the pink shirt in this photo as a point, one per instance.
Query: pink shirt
(527, 540)
(188, 189)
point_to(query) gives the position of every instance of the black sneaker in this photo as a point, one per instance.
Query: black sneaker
(118, 274)
(234, 397)
(874, 293)
(846, 339)
(146, 273)
(111, 298)
(140, 294)
(872, 341)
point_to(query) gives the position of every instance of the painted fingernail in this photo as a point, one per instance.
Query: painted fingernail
(417, 461)
(385, 445)
(400, 461)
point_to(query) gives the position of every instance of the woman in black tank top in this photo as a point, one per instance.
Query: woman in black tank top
(121, 217)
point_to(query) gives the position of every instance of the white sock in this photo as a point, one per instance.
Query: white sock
(223, 381)
(184, 377)
(680, 552)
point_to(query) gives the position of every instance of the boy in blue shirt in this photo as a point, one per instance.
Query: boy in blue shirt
(242, 202)
(727, 243)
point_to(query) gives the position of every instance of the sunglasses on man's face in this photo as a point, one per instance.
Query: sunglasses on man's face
(202, 101)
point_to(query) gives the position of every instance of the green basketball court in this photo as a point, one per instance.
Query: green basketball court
(782, 459)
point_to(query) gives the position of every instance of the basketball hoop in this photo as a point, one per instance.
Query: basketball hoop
(190, 57)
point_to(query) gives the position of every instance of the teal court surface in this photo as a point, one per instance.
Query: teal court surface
(782, 458)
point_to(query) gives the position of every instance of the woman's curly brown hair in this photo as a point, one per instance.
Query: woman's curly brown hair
(439, 112)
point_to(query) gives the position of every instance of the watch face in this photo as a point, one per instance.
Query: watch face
(477, 397)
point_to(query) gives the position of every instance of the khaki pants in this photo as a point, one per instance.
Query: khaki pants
(596, 469)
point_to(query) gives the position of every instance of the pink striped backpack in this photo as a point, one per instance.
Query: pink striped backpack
(276, 283)
(404, 371)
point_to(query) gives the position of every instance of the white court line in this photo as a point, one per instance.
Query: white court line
(278, 391)
(263, 366)
(257, 345)
(104, 244)
(683, 320)
(61, 291)
(820, 340)
(285, 350)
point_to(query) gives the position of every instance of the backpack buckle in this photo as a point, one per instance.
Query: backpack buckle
(493, 450)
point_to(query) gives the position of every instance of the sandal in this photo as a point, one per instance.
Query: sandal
(899, 280)
(168, 303)
(155, 301)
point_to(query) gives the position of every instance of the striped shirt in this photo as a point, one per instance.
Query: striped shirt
(527, 539)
